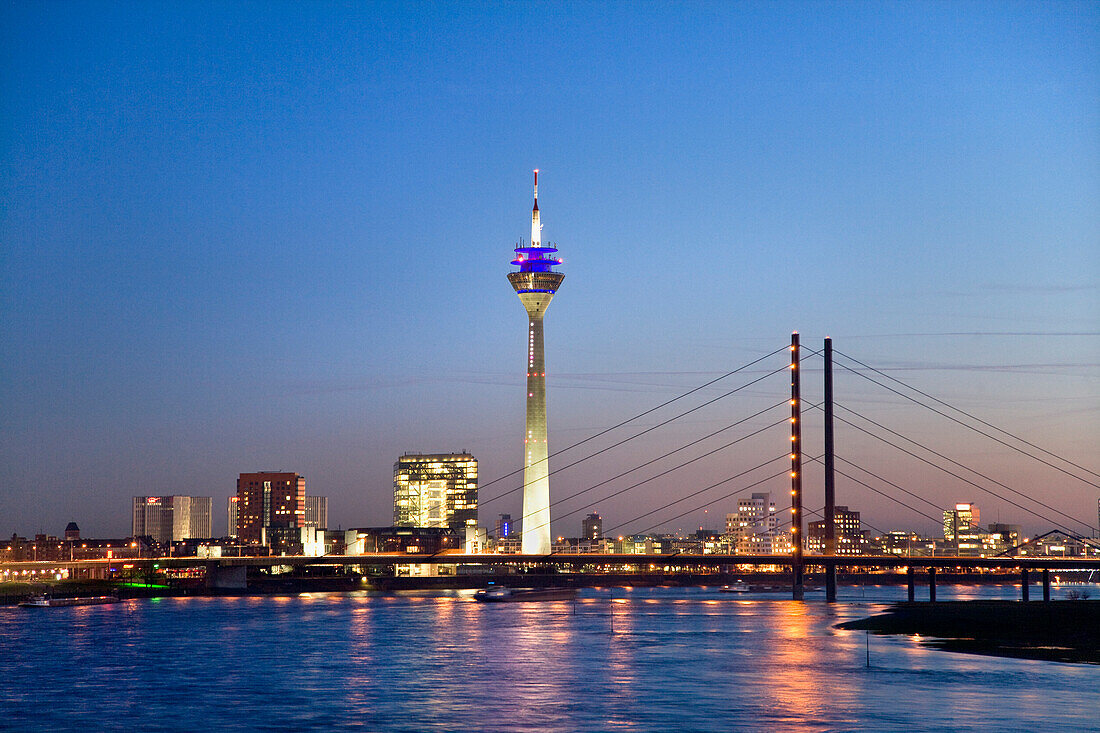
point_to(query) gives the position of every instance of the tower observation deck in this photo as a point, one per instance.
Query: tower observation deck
(536, 283)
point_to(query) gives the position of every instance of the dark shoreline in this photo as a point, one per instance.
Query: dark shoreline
(1057, 631)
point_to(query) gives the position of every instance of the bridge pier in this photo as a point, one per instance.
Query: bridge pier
(932, 585)
(911, 583)
(234, 578)
(1046, 585)
(1025, 589)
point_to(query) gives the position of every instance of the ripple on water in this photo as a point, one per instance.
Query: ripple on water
(653, 660)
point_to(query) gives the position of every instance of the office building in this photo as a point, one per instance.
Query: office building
(756, 514)
(536, 283)
(592, 527)
(171, 518)
(962, 520)
(316, 512)
(435, 490)
(1004, 537)
(231, 518)
(268, 502)
(504, 527)
(410, 540)
(850, 539)
(754, 528)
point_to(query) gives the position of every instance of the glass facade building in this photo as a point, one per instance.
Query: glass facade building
(435, 490)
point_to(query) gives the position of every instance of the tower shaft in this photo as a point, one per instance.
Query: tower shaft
(536, 467)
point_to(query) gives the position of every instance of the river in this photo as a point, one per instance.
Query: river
(652, 659)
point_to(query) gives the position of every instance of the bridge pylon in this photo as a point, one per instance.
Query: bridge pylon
(798, 589)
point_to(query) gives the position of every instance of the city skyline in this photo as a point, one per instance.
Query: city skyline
(239, 238)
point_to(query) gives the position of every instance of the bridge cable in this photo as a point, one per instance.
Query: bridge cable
(674, 468)
(967, 468)
(937, 520)
(821, 513)
(636, 435)
(709, 503)
(972, 417)
(664, 473)
(934, 505)
(970, 525)
(955, 475)
(662, 457)
(918, 497)
(643, 414)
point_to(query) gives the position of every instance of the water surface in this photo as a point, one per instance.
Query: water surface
(661, 659)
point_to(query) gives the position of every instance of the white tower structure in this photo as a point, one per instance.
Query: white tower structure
(535, 284)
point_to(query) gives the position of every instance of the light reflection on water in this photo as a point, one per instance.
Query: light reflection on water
(623, 659)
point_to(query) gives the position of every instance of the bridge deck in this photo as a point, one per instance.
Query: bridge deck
(661, 561)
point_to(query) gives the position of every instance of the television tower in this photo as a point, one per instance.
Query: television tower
(535, 284)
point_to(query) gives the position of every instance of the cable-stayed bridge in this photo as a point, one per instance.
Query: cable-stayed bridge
(852, 422)
(779, 425)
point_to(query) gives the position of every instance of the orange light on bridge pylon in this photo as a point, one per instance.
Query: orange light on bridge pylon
(796, 471)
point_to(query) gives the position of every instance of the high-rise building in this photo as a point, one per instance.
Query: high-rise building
(266, 500)
(592, 527)
(754, 528)
(756, 514)
(850, 539)
(961, 522)
(171, 518)
(504, 526)
(72, 531)
(316, 512)
(1006, 536)
(435, 490)
(231, 518)
(535, 284)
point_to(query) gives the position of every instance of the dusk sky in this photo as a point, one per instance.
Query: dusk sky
(274, 236)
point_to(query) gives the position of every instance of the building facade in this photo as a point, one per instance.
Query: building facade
(850, 539)
(268, 502)
(435, 490)
(961, 521)
(316, 512)
(231, 517)
(171, 518)
(754, 529)
(592, 527)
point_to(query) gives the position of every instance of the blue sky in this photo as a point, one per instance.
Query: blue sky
(275, 236)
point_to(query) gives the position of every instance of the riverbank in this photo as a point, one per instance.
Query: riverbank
(1058, 631)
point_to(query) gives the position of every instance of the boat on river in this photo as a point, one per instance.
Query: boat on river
(740, 587)
(518, 595)
(44, 601)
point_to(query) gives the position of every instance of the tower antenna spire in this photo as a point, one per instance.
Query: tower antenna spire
(536, 225)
